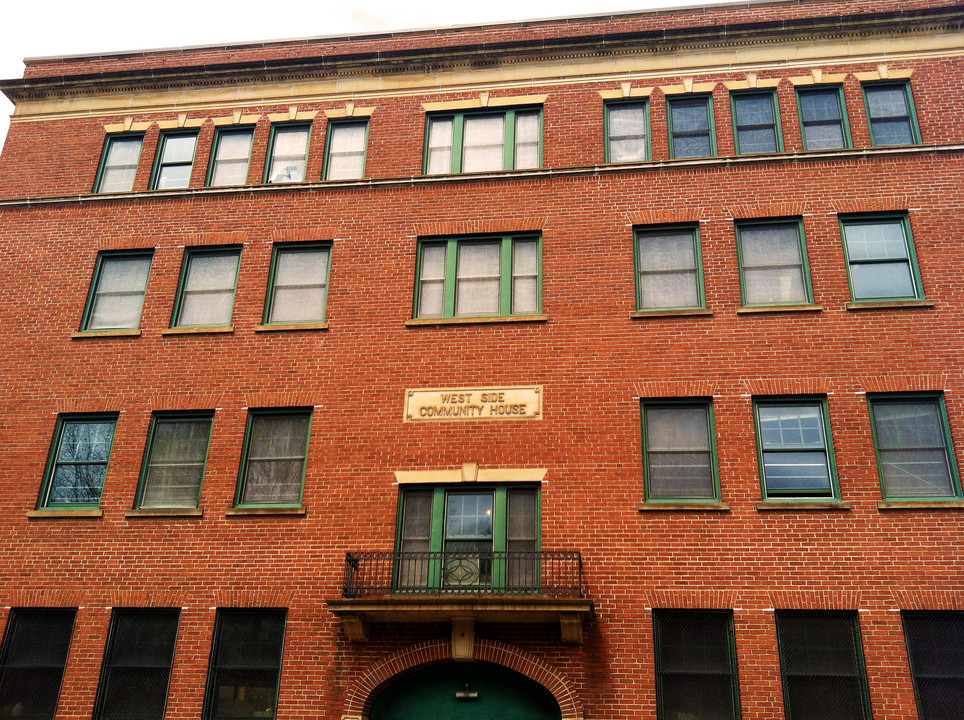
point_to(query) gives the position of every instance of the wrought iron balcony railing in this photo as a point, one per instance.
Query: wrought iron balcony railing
(548, 573)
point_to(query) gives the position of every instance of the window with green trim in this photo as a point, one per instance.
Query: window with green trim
(275, 456)
(669, 272)
(77, 466)
(175, 160)
(823, 118)
(756, 122)
(231, 156)
(117, 290)
(136, 673)
(773, 262)
(627, 131)
(679, 451)
(462, 538)
(118, 164)
(483, 141)
(205, 297)
(696, 665)
(287, 153)
(298, 288)
(245, 670)
(691, 127)
(934, 645)
(795, 448)
(881, 261)
(177, 450)
(891, 114)
(822, 665)
(346, 149)
(474, 277)
(915, 455)
(32, 661)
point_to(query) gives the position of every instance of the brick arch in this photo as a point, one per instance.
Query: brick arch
(362, 694)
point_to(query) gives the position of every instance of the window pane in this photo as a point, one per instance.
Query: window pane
(346, 151)
(772, 260)
(478, 286)
(120, 165)
(883, 240)
(207, 297)
(300, 286)
(525, 277)
(912, 448)
(35, 647)
(793, 426)
(119, 296)
(440, 146)
(667, 270)
(177, 159)
(935, 644)
(795, 459)
(275, 460)
(526, 140)
(882, 280)
(678, 452)
(233, 154)
(890, 115)
(483, 143)
(289, 155)
(431, 294)
(627, 132)
(690, 123)
(80, 464)
(755, 123)
(175, 468)
(822, 117)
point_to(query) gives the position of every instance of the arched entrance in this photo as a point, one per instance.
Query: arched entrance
(465, 691)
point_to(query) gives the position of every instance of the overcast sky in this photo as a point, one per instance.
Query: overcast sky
(34, 28)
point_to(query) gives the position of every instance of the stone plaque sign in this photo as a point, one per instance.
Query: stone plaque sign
(487, 403)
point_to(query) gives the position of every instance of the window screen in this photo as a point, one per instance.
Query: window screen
(32, 661)
(935, 644)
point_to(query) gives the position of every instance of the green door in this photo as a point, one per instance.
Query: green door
(439, 693)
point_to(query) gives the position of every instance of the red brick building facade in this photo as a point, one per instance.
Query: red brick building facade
(703, 264)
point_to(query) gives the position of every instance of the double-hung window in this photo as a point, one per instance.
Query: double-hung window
(298, 289)
(773, 263)
(935, 646)
(795, 449)
(474, 277)
(627, 131)
(345, 150)
(275, 455)
(822, 664)
(209, 278)
(915, 456)
(679, 451)
(756, 122)
(696, 667)
(117, 291)
(175, 160)
(691, 126)
(484, 141)
(891, 114)
(245, 669)
(118, 165)
(77, 466)
(823, 118)
(231, 156)
(33, 660)
(669, 272)
(881, 261)
(174, 462)
(467, 540)
(136, 673)
(287, 154)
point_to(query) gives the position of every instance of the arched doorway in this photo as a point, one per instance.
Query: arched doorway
(465, 691)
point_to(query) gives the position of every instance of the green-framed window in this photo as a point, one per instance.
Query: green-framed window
(823, 118)
(627, 131)
(287, 153)
(479, 276)
(245, 670)
(77, 465)
(881, 260)
(346, 149)
(136, 673)
(935, 646)
(756, 122)
(795, 448)
(461, 537)
(118, 163)
(679, 451)
(230, 156)
(33, 659)
(891, 114)
(298, 287)
(696, 665)
(915, 454)
(174, 461)
(483, 141)
(175, 160)
(205, 296)
(692, 129)
(773, 262)
(117, 290)
(669, 268)
(822, 665)
(275, 457)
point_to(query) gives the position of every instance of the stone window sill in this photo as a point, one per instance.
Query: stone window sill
(756, 309)
(198, 330)
(249, 511)
(802, 505)
(640, 314)
(920, 504)
(678, 506)
(64, 514)
(482, 320)
(164, 512)
(291, 326)
(84, 334)
(888, 304)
